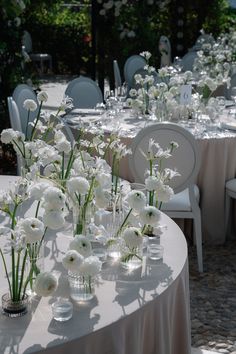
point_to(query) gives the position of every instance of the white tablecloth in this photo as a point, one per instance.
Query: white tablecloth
(144, 312)
(217, 166)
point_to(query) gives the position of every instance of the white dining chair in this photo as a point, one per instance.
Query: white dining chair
(132, 64)
(40, 58)
(186, 160)
(15, 123)
(187, 61)
(164, 47)
(230, 193)
(20, 94)
(85, 92)
(117, 75)
(143, 72)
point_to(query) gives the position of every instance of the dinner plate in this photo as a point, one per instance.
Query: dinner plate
(86, 111)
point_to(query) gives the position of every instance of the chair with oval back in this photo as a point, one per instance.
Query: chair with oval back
(21, 93)
(15, 124)
(117, 76)
(85, 92)
(186, 160)
(41, 58)
(187, 61)
(132, 64)
(143, 72)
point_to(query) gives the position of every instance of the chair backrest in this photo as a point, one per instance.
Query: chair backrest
(143, 72)
(27, 42)
(187, 61)
(132, 64)
(21, 93)
(85, 92)
(117, 76)
(14, 114)
(165, 50)
(185, 159)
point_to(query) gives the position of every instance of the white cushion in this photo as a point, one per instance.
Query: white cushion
(181, 201)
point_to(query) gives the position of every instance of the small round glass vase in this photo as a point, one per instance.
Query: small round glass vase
(81, 288)
(132, 260)
(14, 308)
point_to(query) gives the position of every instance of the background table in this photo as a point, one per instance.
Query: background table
(144, 312)
(218, 164)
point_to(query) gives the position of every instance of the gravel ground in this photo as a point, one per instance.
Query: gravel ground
(213, 298)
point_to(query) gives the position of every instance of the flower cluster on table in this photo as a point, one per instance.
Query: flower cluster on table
(64, 177)
(157, 93)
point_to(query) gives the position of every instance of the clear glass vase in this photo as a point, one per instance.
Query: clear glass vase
(14, 308)
(81, 288)
(132, 259)
(35, 264)
(81, 218)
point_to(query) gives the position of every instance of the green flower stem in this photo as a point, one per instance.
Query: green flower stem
(37, 209)
(63, 165)
(70, 163)
(22, 277)
(6, 272)
(124, 222)
(13, 222)
(113, 172)
(22, 152)
(36, 122)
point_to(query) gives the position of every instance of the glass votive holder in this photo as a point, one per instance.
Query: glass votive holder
(62, 310)
(155, 251)
(101, 253)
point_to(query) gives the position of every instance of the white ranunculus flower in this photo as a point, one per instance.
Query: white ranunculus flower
(152, 183)
(133, 237)
(31, 228)
(164, 193)
(90, 267)
(7, 135)
(30, 105)
(54, 198)
(72, 261)
(78, 185)
(81, 244)
(45, 284)
(54, 219)
(150, 215)
(63, 146)
(42, 96)
(136, 200)
(37, 189)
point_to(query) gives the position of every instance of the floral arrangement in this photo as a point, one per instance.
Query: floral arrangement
(66, 177)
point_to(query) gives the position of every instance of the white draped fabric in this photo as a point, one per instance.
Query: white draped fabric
(144, 312)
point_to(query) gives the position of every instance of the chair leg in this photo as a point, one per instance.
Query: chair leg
(198, 235)
(227, 215)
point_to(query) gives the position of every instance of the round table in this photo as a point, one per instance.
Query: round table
(142, 312)
(218, 162)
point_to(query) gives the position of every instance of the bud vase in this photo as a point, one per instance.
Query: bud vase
(14, 308)
(81, 288)
(35, 264)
